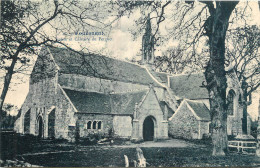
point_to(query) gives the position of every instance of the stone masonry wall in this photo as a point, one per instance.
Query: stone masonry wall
(84, 118)
(122, 126)
(38, 100)
(92, 84)
(184, 124)
(42, 97)
(234, 122)
(204, 129)
(65, 115)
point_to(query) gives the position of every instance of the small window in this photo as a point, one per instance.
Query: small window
(89, 125)
(99, 125)
(94, 125)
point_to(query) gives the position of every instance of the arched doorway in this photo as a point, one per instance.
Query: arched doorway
(148, 129)
(51, 124)
(40, 124)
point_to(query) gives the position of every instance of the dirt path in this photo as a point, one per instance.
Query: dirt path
(171, 143)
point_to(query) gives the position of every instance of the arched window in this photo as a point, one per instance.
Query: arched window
(230, 102)
(27, 118)
(94, 125)
(99, 125)
(89, 125)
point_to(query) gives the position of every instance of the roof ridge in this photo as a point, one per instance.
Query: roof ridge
(175, 75)
(143, 98)
(131, 91)
(195, 101)
(112, 93)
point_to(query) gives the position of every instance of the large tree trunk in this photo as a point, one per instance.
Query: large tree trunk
(215, 74)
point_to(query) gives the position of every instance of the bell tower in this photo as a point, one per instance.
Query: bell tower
(148, 44)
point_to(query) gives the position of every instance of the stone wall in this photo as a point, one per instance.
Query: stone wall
(234, 122)
(122, 126)
(249, 124)
(84, 118)
(183, 124)
(65, 115)
(204, 129)
(38, 100)
(92, 84)
(44, 96)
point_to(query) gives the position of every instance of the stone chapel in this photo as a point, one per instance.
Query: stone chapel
(88, 93)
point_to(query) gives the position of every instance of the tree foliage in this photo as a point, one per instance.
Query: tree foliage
(200, 24)
(26, 25)
(243, 52)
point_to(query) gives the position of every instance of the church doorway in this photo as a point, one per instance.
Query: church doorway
(148, 129)
(40, 123)
(51, 124)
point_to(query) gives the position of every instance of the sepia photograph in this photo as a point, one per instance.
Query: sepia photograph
(130, 83)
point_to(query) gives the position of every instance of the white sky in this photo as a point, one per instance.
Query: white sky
(123, 46)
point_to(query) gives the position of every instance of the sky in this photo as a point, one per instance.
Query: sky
(122, 45)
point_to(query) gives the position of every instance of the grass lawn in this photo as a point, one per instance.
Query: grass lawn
(47, 153)
(156, 157)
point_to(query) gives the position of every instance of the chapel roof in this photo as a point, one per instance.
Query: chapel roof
(162, 76)
(117, 103)
(189, 86)
(164, 105)
(200, 109)
(99, 66)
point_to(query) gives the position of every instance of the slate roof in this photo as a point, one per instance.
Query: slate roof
(124, 103)
(170, 110)
(100, 66)
(200, 109)
(188, 86)
(92, 102)
(163, 76)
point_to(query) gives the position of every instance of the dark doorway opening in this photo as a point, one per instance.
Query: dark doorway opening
(51, 124)
(40, 122)
(148, 129)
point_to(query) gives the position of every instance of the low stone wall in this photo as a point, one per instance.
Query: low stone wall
(16, 163)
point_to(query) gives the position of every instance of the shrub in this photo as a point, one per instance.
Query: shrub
(91, 139)
(12, 143)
